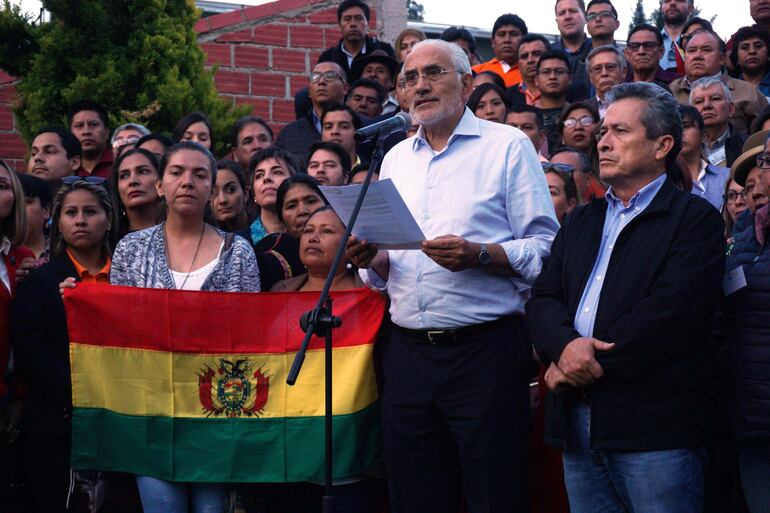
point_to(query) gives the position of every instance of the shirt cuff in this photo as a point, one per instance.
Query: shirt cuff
(372, 279)
(523, 259)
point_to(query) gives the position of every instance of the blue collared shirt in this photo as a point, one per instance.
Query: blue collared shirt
(487, 186)
(618, 216)
(710, 184)
(668, 60)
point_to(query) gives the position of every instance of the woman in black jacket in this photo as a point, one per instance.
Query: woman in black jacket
(82, 214)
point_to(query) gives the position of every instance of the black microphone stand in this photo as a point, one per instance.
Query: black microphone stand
(320, 321)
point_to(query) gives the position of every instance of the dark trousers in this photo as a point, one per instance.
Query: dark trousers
(455, 420)
(47, 465)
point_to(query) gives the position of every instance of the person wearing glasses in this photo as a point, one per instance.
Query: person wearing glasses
(734, 205)
(744, 358)
(644, 51)
(328, 83)
(80, 250)
(577, 125)
(601, 22)
(553, 81)
(705, 57)
(126, 137)
(606, 67)
(455, 362)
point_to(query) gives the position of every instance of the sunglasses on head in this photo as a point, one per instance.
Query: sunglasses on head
(93, 180)
(564, 168)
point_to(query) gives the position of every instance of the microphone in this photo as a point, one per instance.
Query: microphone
(400, 121)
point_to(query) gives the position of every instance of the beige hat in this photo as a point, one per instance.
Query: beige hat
(757, 139)
(745, 163)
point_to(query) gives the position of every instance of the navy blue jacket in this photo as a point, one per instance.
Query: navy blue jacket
(744, 359)
(657, 305)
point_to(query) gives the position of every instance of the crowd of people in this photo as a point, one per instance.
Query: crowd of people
(585, 328)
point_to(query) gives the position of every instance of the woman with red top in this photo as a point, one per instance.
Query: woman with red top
(81, 218)
(13, 227)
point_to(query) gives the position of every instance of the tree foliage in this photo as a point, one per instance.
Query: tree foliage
(639, 17)
(140, 58)
(415, 11)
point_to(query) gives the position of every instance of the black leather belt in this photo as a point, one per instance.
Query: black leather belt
(453, 336)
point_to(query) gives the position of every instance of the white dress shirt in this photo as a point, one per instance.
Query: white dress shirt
(487, 186)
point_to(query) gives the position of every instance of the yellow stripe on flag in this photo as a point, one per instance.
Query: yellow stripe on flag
(139, 382)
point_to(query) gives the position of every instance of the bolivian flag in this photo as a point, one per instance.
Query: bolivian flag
(190, 386)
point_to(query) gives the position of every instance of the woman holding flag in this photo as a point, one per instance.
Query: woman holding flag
(185, 253)
(81, 218)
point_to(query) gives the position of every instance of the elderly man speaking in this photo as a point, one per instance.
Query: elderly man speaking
(455, 361)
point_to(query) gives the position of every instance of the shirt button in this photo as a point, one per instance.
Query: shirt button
(636, 209)
(622, 216)
(599, 278)
(426, 216)
(611, 246)
(586, 309)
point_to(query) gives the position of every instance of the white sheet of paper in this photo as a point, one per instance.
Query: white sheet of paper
(384, 218)
(734, 280)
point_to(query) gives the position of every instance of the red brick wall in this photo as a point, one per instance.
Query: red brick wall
(265, 53)
(12, 148)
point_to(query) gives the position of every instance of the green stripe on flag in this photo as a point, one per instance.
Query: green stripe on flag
(224, 450)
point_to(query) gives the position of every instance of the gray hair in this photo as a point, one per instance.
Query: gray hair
(660, 117)
(606, 48)
(134, 126)
(459, 59)
(706, 82)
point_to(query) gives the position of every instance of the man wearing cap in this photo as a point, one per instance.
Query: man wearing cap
(748, 175)
(507, 33)
(381, 67)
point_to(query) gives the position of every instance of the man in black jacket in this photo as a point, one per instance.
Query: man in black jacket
(353, 18)
(622, 316)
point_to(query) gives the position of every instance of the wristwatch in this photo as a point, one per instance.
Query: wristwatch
(484, 256)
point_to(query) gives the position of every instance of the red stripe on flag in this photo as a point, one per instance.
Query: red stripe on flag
(212, 322)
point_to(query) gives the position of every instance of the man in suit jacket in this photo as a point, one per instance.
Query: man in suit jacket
(622, 316)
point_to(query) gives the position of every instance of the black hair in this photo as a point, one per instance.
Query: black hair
(165, 140)
(189, 119)
(606, 2)
(763, 116)
(452, 34)
(554, 53)
(335, 148)
(242, 122)
(348, 4)
(337, 107)
(235, 168)
(291, 182)
(91, 105)
(532, 37)
(539, 121)
(35, 187)
(585, 160)
(509, 19)
(273, 152)
(480, 91)
(496, 79)
(688, 112)
(359, 168)
(646, 27)
(69, 142)
(706, 24)
(573, 107)
(57, 243)
(120, 218)
(742, 35)
(371, 84)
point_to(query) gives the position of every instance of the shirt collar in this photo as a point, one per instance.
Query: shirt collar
(5, 245)
(688, 83)
(721, 140)
(346, 52)
(468, 125)
(641, 199)
(83, 272)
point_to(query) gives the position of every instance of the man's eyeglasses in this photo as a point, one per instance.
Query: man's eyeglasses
(734, 195)
(556, 166)
(328, 75)
(584, 121)
(763, 161)
(431, 75)
(647, 45)
(93, 180)
(597, 15)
